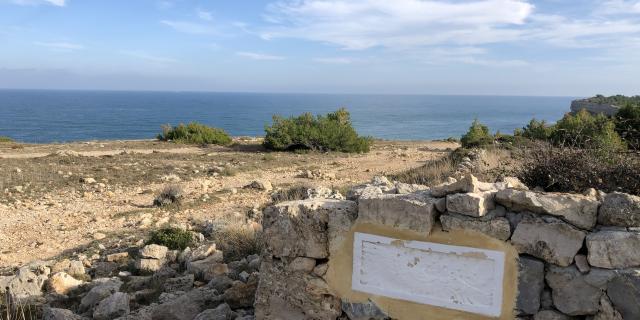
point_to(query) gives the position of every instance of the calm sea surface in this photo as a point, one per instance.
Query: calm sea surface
(58, 116)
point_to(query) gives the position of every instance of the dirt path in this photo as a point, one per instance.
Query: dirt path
(64, 214)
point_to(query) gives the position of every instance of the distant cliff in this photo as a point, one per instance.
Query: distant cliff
(605, 105)
(594, 107)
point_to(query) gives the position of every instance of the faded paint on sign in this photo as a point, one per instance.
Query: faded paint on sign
(454, 277)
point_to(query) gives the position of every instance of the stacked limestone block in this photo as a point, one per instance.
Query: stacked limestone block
(579, 254)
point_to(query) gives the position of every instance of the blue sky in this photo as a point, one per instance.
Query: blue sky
(506, 47)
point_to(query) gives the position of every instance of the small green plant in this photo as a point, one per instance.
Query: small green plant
(4, 139)
(478, 136)
(333, 132)
(194, 133)
(172, 238)
(628, 125)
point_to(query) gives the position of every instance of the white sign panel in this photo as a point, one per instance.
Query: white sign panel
(453, 277)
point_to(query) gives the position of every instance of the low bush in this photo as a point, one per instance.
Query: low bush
(4, 139)
(170, 195)
(627, 123)
(333, 132)
(478, 136)
(172, 238)
(583, 130)
(195, 133)
(575, 170)
(536, 130)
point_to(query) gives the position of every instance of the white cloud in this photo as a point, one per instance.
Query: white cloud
(615, 7)
(66, 46)
(333, 60)
(362, 24)
(147, 57)
(204, 15)
(189, 27)
(259, 56)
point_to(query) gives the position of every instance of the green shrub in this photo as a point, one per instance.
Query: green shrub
(333, 132)
(536, 130)
(618, 100)
(172, 238)
(5, 139)
(477, 136)
(628, 125)
(196, 133)
(583, 130)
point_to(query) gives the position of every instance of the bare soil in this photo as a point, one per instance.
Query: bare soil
(50, 206)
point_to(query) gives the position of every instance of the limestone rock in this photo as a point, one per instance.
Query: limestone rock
(614, 249)
(468, 183)
(208, 268)
(102, 289)
(241, 294)
(607, 312)
(363, 311)
(154, 251)
(25, 284)
(582, 264)
(59, 314)
(186, 306)
(298, 228)
(283, 294)
(620, 209)
(62, 283)
(624, 292)
(530, 285)
(221, 312)
(554, 241)
(184, 283)
(263, 185)
(149, 265)
(302, 264)
(550, 315)
(471, 204)
(498, 228)
(203, 251)
(403, 188)
(578, 210)
(118, 257)
(575, 293)
(112, 307)
(415, 211)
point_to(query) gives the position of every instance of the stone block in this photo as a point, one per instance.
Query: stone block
(614, 249)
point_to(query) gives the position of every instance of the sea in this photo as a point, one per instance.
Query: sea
(46, 116)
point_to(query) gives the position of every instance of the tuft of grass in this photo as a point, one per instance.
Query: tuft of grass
(12, 309)
(296, 192)
(195, 133)
(170, 195)
(172, 238)
(237, 241)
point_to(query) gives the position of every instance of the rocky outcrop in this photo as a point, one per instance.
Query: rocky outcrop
(416, 212)
(594, 108)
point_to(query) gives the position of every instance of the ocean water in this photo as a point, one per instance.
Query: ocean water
(59, 116)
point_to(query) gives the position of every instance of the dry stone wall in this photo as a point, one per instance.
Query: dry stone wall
(575, 256)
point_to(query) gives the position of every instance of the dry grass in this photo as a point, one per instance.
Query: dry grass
(237, 240)
(17, 310)
(432, 173)
(296, 192)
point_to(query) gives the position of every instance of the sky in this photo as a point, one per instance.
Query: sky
(502, 47)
